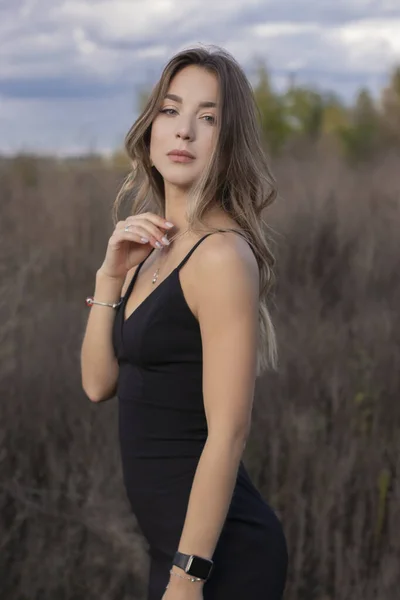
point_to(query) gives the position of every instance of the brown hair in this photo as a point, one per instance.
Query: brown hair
(237, 176)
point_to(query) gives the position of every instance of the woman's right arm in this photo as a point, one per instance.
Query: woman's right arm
(99, 366)
(129, 245)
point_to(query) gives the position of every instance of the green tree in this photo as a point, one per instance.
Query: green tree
(361, 136)
(275, 126)
(390, 102)
(305, 111)
(335, 115)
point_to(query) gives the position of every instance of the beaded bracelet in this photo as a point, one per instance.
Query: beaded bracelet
(90, 301)
(193, 579)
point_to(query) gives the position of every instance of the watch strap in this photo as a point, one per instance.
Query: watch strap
(181, 560)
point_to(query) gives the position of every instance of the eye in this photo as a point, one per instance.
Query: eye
(165, 110)
(212, 119)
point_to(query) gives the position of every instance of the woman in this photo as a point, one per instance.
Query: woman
(188, 338)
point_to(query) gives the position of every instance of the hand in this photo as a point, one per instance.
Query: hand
(126, 249)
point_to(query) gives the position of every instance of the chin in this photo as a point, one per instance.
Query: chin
(178, 181)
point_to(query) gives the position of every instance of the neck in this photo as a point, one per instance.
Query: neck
(175, 207)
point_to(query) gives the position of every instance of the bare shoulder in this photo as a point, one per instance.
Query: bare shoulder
(226, 250)
(226, 267)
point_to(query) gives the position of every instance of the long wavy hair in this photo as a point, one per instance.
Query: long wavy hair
(237, 176)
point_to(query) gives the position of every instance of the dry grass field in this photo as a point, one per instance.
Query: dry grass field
(325, 444)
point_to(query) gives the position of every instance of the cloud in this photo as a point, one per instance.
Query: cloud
(93, 55)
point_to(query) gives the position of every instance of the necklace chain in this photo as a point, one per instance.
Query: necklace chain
(157, 271)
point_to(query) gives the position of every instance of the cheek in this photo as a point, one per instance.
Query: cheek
(156, 135)
(210, 141)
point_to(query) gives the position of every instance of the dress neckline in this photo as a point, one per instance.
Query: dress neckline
(126, 318)
(128, 292)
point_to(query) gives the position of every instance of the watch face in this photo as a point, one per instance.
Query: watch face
(199, 567)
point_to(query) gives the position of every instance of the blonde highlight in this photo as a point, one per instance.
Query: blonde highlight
(237, 176)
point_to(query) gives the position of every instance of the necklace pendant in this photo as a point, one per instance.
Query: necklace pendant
(155, 276)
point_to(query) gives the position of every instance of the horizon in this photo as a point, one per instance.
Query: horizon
(73, 69)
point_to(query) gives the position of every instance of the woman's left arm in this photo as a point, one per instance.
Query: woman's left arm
(227, 291)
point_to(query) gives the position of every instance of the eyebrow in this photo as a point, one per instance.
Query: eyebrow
(206, 104)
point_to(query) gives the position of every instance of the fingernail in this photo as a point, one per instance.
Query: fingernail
(159, 245)
(144, 240)
(165, 240)
(168, 224)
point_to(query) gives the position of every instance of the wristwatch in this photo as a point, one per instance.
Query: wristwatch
(193, 565)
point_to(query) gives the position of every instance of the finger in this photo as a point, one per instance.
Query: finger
(157, 241)
(147, 237)
(153, 218)
(150, 231)
(155, 233)
(129, 236)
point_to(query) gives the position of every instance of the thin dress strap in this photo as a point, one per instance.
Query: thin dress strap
(188, 255)
(136, 273)
(185, 259)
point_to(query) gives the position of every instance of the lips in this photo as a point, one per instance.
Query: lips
(180, 153)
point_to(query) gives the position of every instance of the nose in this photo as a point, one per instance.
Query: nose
(185, 130)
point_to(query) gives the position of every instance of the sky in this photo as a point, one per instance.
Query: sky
(71, 70)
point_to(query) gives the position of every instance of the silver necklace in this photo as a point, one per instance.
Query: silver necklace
(157, 271)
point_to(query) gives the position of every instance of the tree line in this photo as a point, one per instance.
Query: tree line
(303, 116)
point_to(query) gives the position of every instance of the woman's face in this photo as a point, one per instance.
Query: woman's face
(186, 121)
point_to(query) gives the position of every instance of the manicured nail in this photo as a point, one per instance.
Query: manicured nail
(159, 245)
(168, 224)
(144, 240)
(165, 240)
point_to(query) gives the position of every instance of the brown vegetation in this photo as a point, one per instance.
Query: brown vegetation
(325, 445)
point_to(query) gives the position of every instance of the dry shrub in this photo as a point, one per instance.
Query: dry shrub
(325, 443)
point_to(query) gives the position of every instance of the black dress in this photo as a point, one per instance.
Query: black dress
(162, 429)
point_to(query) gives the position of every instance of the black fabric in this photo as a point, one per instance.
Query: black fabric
(162, 431)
